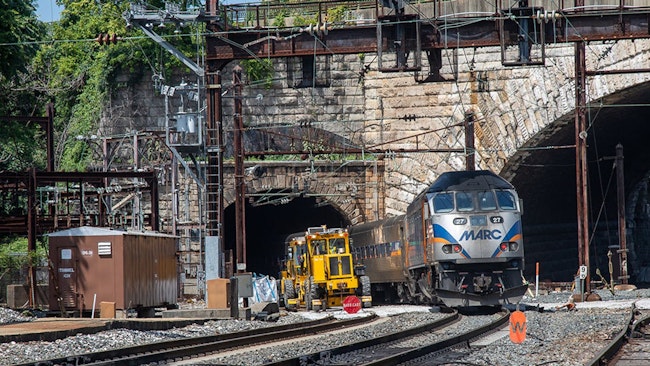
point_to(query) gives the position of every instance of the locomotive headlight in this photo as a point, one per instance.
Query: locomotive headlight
(514, 246)
(448, 249)
(460, 221)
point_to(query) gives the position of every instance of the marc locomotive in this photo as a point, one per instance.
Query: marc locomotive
(460, 243)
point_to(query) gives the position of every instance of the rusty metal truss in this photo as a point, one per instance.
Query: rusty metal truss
(245, 32)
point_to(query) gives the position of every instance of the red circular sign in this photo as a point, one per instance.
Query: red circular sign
(351, 304)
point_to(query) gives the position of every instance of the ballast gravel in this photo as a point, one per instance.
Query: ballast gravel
(555, 336)
(8, 316)
(24, 352)
(324, 342)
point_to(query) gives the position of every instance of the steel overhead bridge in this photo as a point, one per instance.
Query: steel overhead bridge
(401, 28)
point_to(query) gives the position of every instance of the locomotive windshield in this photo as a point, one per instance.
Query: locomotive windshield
(445, 202)
(337, 245)
(464, 202)
(506, 200)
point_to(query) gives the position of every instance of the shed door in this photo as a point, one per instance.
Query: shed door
(67, 276)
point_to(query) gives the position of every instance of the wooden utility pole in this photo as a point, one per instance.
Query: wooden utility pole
(581, 160)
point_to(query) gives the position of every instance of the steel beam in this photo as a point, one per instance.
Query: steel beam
(560, 27)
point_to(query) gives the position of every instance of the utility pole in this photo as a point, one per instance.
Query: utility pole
(620, 196)
(470, 154)
(238, 146)
(581, 161)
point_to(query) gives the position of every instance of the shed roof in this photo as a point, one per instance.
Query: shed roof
(102, 231)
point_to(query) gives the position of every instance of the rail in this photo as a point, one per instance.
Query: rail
(188, 347)
(618, 341)
(372, 342)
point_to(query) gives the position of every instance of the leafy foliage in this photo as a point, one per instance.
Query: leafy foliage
(14, 254)
(336, 14)
(259, 70)
(82, 73)
(19, 33)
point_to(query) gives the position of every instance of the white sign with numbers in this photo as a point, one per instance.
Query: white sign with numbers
(583, 272)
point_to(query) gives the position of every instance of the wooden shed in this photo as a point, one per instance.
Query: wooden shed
(129, 268)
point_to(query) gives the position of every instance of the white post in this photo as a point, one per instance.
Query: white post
(92, 315)
(536, 279)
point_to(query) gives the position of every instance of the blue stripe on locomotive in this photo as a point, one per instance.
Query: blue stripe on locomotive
(441, 235)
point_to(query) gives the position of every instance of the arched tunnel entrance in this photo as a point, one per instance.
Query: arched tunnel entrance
(267, 226)
(545, 176)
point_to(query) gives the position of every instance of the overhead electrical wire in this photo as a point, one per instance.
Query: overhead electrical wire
(445, 27)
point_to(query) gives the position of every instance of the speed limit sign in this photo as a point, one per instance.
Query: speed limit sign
(583, 272)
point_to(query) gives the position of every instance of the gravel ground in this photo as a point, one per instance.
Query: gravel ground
(263, 355)
(555, 336)
(8, 316)
(567, 338)
(24, 352)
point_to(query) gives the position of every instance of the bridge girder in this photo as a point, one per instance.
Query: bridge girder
(558, 27)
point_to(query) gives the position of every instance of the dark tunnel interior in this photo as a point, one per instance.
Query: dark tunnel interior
(546, 182)
(546, 178)
(267, 226)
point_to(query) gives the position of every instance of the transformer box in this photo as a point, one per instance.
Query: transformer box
(133, 269)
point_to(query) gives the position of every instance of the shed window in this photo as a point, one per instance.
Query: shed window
(66, 254)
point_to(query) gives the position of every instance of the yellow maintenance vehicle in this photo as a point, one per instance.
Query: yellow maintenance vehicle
(319, 271)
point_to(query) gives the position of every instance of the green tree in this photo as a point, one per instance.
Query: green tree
(14, 255)
(20, 32)
(82, 73)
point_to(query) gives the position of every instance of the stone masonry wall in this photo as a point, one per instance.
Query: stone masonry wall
(513, 106)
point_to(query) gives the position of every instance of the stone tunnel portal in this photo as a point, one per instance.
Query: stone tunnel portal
(267, 226)
(545, 179)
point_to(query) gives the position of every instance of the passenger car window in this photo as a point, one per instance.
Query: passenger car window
(486, 201)
(443, 202)
(464, 201)
(506, 200)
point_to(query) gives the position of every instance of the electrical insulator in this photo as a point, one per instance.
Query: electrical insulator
(107, 39)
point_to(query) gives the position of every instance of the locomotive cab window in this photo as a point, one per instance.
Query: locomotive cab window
(486, 201)
(464, 202)
(443, 202)
(506, 200)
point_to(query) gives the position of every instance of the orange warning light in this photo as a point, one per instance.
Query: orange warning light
(517, 327)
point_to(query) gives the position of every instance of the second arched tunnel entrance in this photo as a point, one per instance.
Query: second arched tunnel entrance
(268, 225)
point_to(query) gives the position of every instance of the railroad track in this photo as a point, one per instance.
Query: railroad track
(200, 346)
(398, 347)
(630, 347)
